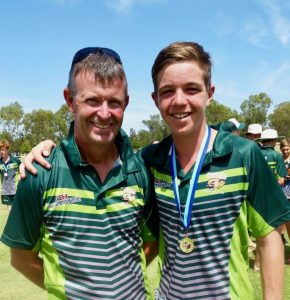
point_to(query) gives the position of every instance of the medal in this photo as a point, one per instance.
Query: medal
(186, 245)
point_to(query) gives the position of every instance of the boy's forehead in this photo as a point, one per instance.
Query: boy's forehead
(189, 70)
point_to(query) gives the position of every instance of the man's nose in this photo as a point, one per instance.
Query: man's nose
(104, 110)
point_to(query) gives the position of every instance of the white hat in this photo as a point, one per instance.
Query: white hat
(254, 129)
(269, 134)
(237, 124)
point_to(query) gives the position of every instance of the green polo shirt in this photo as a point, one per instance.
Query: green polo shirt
(235, 193)
(9, 175)
(275, 161)
(88, 233)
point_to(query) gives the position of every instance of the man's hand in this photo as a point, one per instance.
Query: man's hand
(150, 250)
(29, 264)
(43, 149)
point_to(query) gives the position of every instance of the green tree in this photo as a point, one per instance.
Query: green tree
(280, 120)
(11, 119)
(157, 130)
(255, 109)
(43, 124)
(143, 138)
(63, 118)
(217, 112)
(157, 127)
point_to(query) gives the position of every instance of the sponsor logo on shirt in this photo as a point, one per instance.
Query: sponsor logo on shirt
(216, 180)
(64, 199)
(129, 194)
(161, 183)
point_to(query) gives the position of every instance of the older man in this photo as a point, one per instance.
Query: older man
(86, 216)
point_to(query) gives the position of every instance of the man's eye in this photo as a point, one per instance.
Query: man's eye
(92, 102)
(115, 104)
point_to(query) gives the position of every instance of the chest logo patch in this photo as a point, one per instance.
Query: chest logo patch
(129, 194)
(161, 183)
(64, 199)
(216, 180)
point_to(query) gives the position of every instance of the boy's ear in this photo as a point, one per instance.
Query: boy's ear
(155, 98)
(210, 94)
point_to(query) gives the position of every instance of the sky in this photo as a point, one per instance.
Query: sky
(249, 42)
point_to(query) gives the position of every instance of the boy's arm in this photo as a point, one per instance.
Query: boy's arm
(272, 265)
(29, 264)
(37, 153)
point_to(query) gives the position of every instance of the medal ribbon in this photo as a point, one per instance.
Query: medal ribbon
(6, 167)
(193, 181)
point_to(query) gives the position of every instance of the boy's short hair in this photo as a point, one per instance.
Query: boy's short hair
(182, 52)
(4, 144)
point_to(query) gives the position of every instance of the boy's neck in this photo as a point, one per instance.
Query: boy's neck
(6, 158)
(187, 148)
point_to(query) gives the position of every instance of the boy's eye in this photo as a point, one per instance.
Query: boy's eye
(192, 90)
(166, 92)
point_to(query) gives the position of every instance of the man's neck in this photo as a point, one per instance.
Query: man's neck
(187, 147)
(102, 158)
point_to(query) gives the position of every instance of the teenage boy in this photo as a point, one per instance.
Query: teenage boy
(209, 191)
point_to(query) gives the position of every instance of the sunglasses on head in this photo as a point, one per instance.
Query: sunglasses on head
(83, 53)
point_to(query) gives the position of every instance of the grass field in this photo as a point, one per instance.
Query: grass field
(13, 286)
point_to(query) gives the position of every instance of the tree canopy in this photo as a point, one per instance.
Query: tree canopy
(253, 110)
(157, 131)
(280, 119)
(217, 113)
(25, 130)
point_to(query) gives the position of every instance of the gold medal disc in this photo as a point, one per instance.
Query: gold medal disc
(186, 245)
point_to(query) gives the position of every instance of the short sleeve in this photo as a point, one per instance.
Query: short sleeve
(150, 213)
(269, 206)
(23, 227)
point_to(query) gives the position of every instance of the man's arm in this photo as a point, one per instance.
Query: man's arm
(271, 252)
(29, 264)
(37, 153)
(150, 251)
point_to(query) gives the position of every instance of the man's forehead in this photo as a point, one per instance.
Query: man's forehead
(91, 78)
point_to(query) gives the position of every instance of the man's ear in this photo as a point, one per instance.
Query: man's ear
(126, 102)
(155, 98)
(210, 94)
(69, 100)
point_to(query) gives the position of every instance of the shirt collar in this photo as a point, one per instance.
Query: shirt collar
(127, 157)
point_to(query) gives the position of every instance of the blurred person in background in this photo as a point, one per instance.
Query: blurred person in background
(285, 149)
(9, 174)
(275, 162)
(254, 132)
